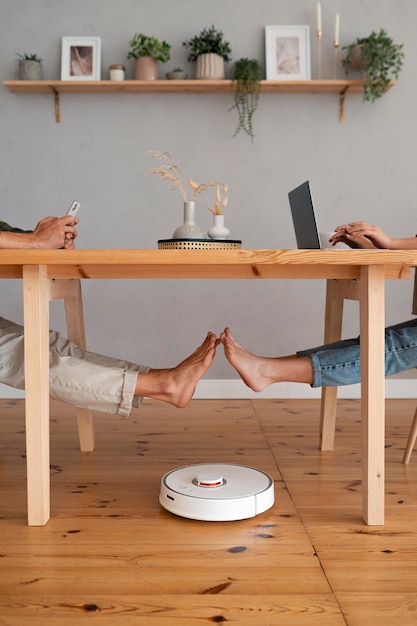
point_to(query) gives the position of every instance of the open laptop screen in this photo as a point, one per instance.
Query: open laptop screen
(303, 217)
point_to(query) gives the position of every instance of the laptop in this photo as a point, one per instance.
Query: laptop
(304, 218)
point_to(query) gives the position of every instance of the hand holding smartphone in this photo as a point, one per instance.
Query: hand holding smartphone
(73, 209)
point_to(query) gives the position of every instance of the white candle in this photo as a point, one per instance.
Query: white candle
(336, 27)
(318, 17)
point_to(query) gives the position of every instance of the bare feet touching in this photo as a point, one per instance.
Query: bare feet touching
(258, 372)
(177, 385)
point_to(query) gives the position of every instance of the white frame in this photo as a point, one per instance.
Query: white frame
(299, 66)
(68, 43)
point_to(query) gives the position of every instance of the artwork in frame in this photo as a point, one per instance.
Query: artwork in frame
(287, 52)
(81, 58)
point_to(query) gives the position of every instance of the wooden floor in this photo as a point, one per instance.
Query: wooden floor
(111, 555)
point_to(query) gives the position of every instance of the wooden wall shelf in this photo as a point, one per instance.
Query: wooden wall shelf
(57, 87)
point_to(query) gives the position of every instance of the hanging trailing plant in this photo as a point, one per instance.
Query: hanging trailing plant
(379, 58)
(246, 77)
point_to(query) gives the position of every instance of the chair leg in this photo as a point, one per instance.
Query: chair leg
(411, 440)
(70, 291)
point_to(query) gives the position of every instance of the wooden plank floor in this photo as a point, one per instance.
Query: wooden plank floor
(112, 554)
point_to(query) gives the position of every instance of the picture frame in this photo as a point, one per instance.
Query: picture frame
(287, 51)
(81, 58)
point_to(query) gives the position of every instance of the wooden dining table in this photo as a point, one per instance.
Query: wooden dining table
(370, 268)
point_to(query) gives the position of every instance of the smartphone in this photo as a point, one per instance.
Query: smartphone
(73, 208)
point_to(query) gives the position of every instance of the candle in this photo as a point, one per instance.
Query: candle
(318, 17)
(336, 28)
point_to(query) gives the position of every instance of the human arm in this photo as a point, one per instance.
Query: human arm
(51, 232)
(364, 235)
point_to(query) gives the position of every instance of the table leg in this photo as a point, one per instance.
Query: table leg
(36, 324)
(372, 321)
(332, 332)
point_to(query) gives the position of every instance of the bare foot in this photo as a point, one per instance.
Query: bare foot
(257, 372)
(254, 370)
(177, 385)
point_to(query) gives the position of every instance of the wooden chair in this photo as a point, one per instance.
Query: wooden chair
(336, 292)
(70, 292)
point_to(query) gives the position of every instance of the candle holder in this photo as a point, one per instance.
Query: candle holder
(335, 54)
(319, 36)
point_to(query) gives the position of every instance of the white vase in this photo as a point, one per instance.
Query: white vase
(189, 229)
(218, 230)
(209, 66)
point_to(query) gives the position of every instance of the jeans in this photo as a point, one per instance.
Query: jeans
(339, 363)
(84, 379)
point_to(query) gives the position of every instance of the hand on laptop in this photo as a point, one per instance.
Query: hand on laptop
(361, 235)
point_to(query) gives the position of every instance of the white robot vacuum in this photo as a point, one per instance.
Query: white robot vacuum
(216, 493)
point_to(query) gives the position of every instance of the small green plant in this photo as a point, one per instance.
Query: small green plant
(144, 46)
(246, 76)
(29, 57)
(380, 59)
(210, 40)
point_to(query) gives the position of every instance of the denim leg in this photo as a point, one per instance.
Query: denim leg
(338, 363)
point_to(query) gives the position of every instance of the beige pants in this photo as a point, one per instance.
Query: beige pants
(83, 379)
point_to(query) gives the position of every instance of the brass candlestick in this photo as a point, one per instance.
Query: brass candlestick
(335, 53)
(319, 36)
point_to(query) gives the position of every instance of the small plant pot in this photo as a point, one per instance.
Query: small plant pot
(355, 62)
(209, 66)
(30, 70)
(176, 75)
(146, 68)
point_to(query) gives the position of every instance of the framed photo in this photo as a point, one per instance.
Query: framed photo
(287, 52)
(81, 58)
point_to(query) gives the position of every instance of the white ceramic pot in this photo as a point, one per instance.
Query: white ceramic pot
(209, 66)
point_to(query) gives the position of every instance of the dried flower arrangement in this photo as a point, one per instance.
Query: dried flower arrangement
(219, 203)
(172, 173)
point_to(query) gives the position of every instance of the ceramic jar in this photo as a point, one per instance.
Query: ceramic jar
(189, 229)
(218, 230)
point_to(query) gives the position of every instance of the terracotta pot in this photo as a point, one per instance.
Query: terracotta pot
(355, 63)
(146, 68)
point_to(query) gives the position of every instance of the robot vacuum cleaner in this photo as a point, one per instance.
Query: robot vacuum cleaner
(216, 493)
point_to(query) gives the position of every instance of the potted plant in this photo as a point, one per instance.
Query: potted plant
(30, 67)
(176, 74)
(210, 51)
(379, 58)
(246, 77)
(147, 51)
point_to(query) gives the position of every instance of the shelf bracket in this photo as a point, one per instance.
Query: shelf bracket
(342, 104)
(57, 104)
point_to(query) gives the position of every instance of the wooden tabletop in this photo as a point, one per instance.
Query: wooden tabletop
(241, 263)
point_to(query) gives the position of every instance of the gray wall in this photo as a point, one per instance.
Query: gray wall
(361, 169)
